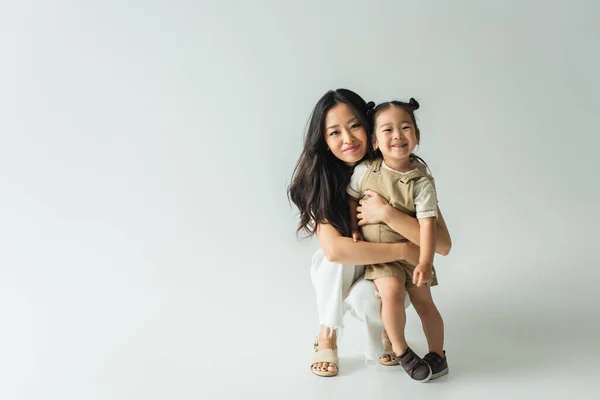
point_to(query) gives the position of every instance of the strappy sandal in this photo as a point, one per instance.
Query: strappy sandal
(389, 353)
(326, 355)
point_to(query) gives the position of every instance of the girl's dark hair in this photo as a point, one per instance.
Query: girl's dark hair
(410, 108)
(319, 181)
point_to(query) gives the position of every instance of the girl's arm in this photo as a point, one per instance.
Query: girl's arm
(423, 271)
(427, 239)
(344, 250)
(375, 209)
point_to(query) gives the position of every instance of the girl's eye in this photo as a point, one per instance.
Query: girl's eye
(387, 130)
(406, 127)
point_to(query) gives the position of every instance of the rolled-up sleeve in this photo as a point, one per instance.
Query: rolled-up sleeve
(353, 188)
(425, 199)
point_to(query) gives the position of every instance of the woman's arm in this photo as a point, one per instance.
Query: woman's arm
(356, 235)
(375, 209)
(344, 250)
(409, 227)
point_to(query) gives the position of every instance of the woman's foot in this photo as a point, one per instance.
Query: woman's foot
(387, 358)
(325, 359)
(325, 367)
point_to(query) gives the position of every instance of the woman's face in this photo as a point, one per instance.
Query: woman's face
(345, 135)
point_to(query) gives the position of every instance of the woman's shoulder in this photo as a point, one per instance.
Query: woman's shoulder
(365, 163)
(363, 166)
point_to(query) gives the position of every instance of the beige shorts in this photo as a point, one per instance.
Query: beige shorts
(396, 269)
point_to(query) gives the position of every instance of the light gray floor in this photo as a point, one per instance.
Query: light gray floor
(497, 354)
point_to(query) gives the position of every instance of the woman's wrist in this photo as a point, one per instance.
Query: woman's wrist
(387, 214)
(402, 250)
(411, 253)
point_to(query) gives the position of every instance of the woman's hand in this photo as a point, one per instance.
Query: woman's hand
(373, 209)
(357, 236)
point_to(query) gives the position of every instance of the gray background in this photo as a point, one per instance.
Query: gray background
(147, 248)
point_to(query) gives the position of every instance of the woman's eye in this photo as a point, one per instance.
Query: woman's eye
(355, 126)
(333, 133)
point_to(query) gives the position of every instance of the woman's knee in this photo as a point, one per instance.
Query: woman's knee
(364, 301)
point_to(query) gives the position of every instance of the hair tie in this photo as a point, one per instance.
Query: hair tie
(369, 108)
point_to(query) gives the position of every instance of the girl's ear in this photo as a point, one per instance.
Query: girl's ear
(375, 145)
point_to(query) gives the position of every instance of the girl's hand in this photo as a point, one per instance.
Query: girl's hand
(373, 209)
(423, 274)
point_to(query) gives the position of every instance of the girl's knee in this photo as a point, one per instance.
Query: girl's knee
(393, 293)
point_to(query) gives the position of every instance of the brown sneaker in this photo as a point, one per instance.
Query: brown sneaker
(414, 366)
(439, 365)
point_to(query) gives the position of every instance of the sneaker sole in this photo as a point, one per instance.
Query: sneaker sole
(439, 374)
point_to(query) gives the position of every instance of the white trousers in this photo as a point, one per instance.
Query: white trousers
(340, 288)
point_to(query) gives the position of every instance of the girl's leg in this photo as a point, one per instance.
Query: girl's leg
(432, 322)
(392, 294)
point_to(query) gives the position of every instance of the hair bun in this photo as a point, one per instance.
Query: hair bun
(369, 108)
(413, 103)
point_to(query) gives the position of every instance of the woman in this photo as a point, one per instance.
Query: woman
(336, 140)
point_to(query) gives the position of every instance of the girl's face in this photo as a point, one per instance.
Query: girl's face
(345, 135)
(396, 137)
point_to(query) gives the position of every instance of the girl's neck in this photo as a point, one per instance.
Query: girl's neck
(399, 165)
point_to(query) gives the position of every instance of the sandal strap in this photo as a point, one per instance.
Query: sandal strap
(387, 347)
(326, 355)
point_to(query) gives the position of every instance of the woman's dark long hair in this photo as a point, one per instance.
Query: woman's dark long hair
(319, 181)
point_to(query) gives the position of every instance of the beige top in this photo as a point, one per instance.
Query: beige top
(424, 193)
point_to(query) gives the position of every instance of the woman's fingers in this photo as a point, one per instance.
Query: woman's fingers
(371, 193)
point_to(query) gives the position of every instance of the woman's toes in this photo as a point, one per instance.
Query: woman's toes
(332, 368)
